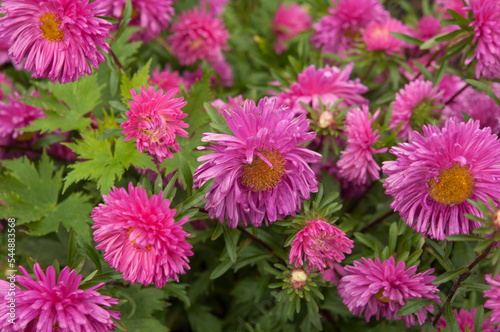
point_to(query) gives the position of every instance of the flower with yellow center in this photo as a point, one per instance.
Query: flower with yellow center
(265, 172)
(454, 186)
(51, 27)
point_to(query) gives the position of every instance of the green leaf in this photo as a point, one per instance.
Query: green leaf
(393, 237)
(145, 325)
(423, 70)
(479, 319)
(178, 291)
(230, 245)
(72, 248)
(187, 175)
(407, 39)
(221, 269)
(201, 320)
(448, 276)
(463, 237)
(413, 306)
(451, 320)
(140, 78)
(126, 17)
(199, 93)
(461, 21)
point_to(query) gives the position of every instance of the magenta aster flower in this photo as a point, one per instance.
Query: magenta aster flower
(487, 35)
(336, 32)
(493, 296)
(435, 174)
(328, 84)
(466, 319)
(455, 5)
(57, 304)
(215, 7)
(377, 36)
(152, 16)
(427, 27)
(168, 79)
(58, 38)
(233, 102)
(414, 105)
(198, 36)
(140, 237)
(155, 120)
(16, 115)
(261, 173)
(319, 244)
(287, 23)
(356, 162)
(381, 289)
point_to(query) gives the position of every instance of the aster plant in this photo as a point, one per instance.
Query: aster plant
(215, 165)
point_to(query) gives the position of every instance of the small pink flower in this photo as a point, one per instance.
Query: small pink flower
(319, 245)
(356, 162)
(155, 121)
(287, 23)
(377, 36)
(198, 36)
(168, 79)
(493, 297)
(467, 319)
(221, 106)
(15, 115)
(140, 237)
(57, 304)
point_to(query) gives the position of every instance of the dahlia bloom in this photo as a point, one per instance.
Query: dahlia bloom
(50, 304)
(466, 319)
(287, 23)
(435, 174)
(261, 173)
(493, 296)
(319, 245)
(356, 162)
(487, 35)
(168, 79)
(16, 115)
(222, 106)
(58, 38)
(382, 288)
(328, 84)
(140, 237)
(413, 106)
(155, 120)
(335, 33)
(152, 16)
(198, 36)
(377, 36)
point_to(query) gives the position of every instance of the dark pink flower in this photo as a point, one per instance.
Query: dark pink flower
(466, 320)
(140, 237)
(16, 115)
(382, 288)
(58, 304)
(155, 121)
(168, 79)
(58, 38)
(493, 297)
(377, 36)
(318, 245)
(287, 23)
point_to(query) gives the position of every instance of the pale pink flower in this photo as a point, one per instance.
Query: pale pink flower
(377, 36)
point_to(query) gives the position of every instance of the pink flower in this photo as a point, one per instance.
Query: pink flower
(50, 304)
(413, 106)
(198, 36)
(356, 162)
(233, 102)
(427, 27)
(140, 237)
(493, 297)
(287, 23)
(215, 7)
(58, 38)
(381, 289)
(487, 35)
(261, 172)
(435, 174)
(466, 319)
(155, 121)
(455, 5)
(336, 32)
(377, 36)
(328, 84)
(318, 245)
(16, 115)
(168, 80)
(152, 16)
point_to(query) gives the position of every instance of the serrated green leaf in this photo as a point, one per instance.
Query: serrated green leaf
(140, 78)
(178, 291)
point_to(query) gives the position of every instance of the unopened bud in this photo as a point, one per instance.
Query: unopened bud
(298, 278)
(496, 220)
(325, 120)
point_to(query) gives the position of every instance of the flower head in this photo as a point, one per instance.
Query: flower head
(198, 36)
(487, 35)
(155, 120)
(382, 288)
(140, 237)
(232, 102)
(58, 38)
(466, 319)
(336, 32)
(16, 115)
(328, 84)
(455, 5)
(152, 16)
(168, 79)
(261, 173)
(435, 174)
(287, 23)
(413, 106)
(356, 162)
(215, 7)
(493, 296)
(377, 36)
(50, 304)
(319, 245)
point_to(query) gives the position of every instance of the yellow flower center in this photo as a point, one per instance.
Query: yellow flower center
(195, 44)
(380, 33)
(50, 28)
(380, 296)
(136, 246)
(259, 175)
(454, 186)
